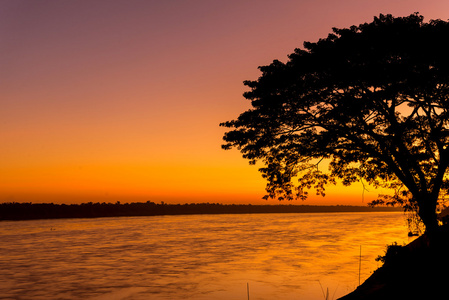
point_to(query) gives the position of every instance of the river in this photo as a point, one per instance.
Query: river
(276, 256)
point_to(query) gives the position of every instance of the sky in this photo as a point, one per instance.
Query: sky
(109, 101)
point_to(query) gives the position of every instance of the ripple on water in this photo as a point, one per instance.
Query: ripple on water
(280, 256)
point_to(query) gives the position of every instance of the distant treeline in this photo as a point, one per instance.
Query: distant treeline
(30, 211)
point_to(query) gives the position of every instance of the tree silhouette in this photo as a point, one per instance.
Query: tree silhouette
(371, 99)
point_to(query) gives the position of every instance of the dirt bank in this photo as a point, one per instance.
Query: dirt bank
(418, 270)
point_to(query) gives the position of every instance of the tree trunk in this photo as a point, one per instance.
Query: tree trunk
(427, 213)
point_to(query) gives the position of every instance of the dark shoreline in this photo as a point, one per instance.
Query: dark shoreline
(414, 271)
(32, 211)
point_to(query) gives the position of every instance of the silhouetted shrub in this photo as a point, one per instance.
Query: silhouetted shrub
(394, 252)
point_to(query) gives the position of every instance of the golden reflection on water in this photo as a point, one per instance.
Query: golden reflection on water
(280, 256)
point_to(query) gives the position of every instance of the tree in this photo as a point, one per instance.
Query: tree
(372, 100)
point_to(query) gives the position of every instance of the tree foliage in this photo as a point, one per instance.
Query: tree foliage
(371, 99)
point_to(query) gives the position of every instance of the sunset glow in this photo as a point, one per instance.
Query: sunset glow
(109, 101)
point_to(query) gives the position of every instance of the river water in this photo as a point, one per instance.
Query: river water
(278, 256)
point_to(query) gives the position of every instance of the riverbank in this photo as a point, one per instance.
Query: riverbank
(418, 270)
(32, 211)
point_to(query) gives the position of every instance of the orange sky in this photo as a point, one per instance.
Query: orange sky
(121, 100)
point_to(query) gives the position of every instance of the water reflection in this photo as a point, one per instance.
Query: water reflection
(281, 256)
